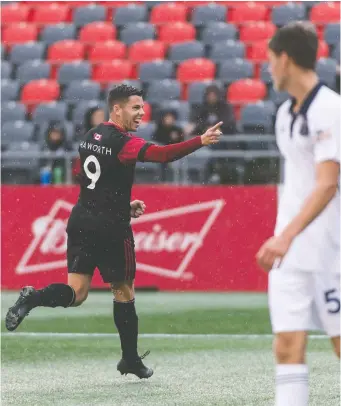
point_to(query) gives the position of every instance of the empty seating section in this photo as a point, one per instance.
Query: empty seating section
(61, 58)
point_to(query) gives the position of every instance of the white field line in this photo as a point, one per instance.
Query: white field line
(174, 336)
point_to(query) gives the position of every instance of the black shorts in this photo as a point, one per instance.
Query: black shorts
(112, 252)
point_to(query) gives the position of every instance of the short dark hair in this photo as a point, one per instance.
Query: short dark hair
(121, 94)
(298, 40)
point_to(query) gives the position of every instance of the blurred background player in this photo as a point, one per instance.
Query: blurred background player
(99, 231)
(304, 254)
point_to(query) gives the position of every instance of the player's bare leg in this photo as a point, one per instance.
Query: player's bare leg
(291, 371)
(336, 345)
(126, 321)
(57, 294)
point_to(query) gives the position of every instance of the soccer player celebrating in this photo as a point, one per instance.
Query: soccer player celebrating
(304, 254)
(99, 231)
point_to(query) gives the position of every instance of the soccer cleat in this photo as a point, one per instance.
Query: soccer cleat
(20, 309)
(135, 367)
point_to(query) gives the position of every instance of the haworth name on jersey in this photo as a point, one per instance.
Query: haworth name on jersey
(95, 148)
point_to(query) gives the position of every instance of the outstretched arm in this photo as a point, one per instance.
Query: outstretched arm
(170, 153)
(137, 149)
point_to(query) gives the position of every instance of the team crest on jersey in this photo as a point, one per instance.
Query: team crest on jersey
(97, 137)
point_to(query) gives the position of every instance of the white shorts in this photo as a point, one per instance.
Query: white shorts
(303, 301)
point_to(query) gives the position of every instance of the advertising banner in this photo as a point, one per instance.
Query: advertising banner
(190, 238)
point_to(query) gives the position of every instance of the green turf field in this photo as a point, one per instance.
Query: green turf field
(206, 349)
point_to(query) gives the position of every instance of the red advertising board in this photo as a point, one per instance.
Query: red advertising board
(190, 238)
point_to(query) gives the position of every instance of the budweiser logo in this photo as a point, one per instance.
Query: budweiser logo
(165, 241)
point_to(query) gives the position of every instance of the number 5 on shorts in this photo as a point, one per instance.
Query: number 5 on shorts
(330, 297)
(93, 176)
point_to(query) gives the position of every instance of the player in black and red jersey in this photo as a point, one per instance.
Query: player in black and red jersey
(99, 231)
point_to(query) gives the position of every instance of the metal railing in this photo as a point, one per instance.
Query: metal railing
(180, 168)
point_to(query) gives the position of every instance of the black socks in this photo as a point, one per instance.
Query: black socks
(126, 321)
(54, 295)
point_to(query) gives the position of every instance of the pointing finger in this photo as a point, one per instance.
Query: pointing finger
(217, 126)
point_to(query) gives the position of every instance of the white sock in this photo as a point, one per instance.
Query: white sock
(292, 385)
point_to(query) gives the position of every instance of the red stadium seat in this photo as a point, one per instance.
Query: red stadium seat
(246, 91)
(66, 51)
(147, 112)
(112, 71)
(177, 32)
(258, 51)
(97, 31)
(196, 70)
(166, 13)
(324, 13)
(19, 33)
(323, 50)
(107, 51)
(14, 13)
(38, 91)
(248, 12)
(51, 14)
(257, 31)
(147, 50)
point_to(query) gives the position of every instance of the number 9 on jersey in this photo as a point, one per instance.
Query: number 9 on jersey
(93, 176)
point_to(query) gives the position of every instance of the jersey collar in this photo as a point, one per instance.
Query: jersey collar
(115, 125)
(307, 102)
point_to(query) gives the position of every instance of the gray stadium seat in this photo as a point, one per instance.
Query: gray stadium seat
(137, 32)
(58, 32)
(277, 97)
(197, 90)
(67, 125)
(89, 14)
(32, 70)
(256, 119)
(17, 131)
(146, 130)
(161, 90)
(82, 90)
(156, 70)
(69, 72)
(197, 162)
(228, 49)
(212, 12)
(326, 70)
(286, 13)
(9, 90)
(47, 112)
(20, 171)
(21, 53)
(215, 32)
(235, 69)
(332, 34)
(132, 13)
(265, 74)
(186, 50)
(181, 108)
(6, 70)
(12, 111)
(336, 52)
(83, 107)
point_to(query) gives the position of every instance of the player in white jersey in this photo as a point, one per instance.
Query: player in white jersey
(303, 257)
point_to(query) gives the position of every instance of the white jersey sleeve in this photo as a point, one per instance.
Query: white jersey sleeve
(327, 136)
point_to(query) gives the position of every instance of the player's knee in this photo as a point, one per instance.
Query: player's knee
(336, 345)
(81, 296)
(289, 349)
(123, 291)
